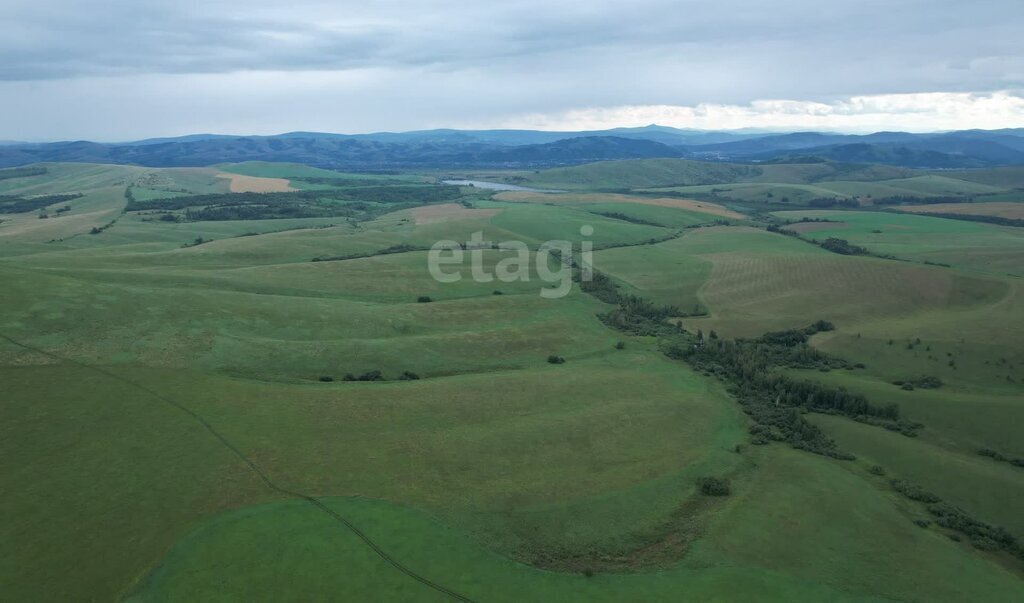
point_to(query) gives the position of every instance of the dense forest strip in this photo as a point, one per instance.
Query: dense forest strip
(20, 205)
(252, 466)
(357, 203)
(423, 194)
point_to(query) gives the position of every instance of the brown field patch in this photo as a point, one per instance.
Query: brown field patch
(1007, 209)
(686, 204)
(254, 184)
(446, 212)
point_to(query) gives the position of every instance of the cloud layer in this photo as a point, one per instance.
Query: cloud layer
(922, 112)
(166, 67)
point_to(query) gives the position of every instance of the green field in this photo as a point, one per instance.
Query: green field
(779, 186)
(916, 187)
(970, 245)
(174, 395)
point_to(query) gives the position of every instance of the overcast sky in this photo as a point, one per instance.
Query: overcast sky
(118, 69)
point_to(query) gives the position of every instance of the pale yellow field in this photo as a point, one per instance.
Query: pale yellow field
(254, 184)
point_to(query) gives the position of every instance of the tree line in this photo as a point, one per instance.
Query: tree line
(351, 202)
(19, 205)
(775, 402)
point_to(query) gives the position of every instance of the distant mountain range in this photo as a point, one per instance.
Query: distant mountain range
(535, 148)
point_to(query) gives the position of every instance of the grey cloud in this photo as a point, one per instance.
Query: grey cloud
(488, 60)
(111, 37)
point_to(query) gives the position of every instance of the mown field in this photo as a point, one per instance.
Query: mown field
(174, 384)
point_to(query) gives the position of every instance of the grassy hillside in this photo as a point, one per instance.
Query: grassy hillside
(740, 555)
(779, 184)
(1003, 177)
(972, 245)
(175, 386)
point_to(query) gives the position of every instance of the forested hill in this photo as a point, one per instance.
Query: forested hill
(533, 149)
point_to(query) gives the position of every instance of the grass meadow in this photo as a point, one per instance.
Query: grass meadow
(144, 376)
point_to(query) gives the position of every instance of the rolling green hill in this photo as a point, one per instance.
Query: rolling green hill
(781, 184)
(293, 407)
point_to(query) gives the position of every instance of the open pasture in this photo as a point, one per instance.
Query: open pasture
(969, 245)
(1013, 211)
(477, 461)
(694, 210)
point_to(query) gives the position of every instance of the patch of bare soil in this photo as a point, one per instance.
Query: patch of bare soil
(254, 184)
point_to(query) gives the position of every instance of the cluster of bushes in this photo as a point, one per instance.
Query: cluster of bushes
(18, 205)
(899, 425)
(633, 314)
(623, 217)
(922, 382)
(833, 244)
(601, 287)
(196, 242)
(367, 376)
(795, 337)
(640, 316)
(913, 491)
(95, 230)
(842, 247)
(981, 535)
(781, 229)
(778, 226)
(554, 359)
(823, 202)
(373, 375)
(653, 240)
(400, 248)
(713, 486)
(996, 456)
(812, 221)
